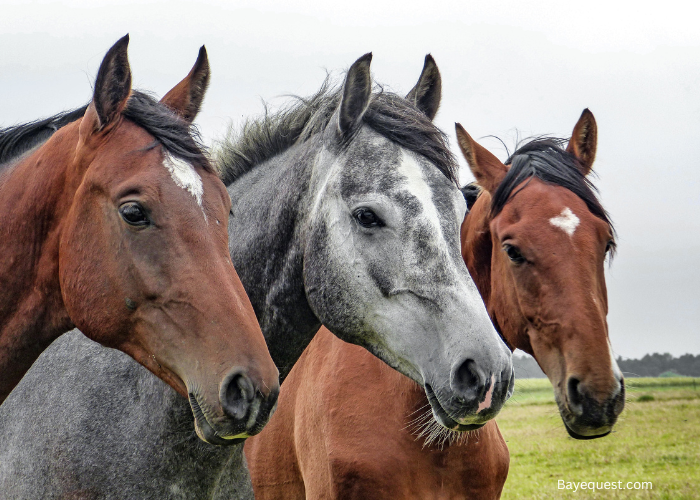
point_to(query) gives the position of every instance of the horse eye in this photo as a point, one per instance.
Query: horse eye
(366, 218)
(513, 254)
(134, 214)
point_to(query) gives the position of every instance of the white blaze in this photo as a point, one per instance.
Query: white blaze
(185, 176)
(566, 221)
(417, 185)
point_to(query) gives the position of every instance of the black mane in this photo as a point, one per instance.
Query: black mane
(545, 159)
(18, 139)
(176, 136)
(389, 114)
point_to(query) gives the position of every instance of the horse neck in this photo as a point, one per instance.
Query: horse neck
(266, 239)
(35, 197)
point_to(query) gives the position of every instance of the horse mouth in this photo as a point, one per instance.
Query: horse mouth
(583, 437)
(206, 432)
(569, 423)
(443, 418)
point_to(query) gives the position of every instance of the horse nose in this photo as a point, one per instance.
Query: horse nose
(237, 394)
(575, 396)
(581, 404)
(469, 380)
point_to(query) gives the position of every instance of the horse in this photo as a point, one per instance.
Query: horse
(535, 242)
(113, 224)
(353, 186)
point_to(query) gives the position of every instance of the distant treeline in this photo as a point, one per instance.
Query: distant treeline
(651, 365)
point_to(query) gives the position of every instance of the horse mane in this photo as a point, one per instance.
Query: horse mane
(177, 137)
(18, 139)
(389, 114)
(471, 193)
(546, 159)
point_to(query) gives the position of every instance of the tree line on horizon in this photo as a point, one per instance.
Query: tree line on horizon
(650, 365)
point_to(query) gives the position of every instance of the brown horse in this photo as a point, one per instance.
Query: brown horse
(117, 225)
(535, 242)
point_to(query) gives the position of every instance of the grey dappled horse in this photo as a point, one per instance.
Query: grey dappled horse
(346, 213)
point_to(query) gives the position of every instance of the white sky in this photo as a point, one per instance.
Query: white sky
(531, 66)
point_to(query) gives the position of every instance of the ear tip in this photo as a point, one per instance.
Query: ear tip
(202, 57)
(460, 130)
(367, 58)
(119, 48)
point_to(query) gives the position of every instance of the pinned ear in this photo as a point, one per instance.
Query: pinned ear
(487, 169)
(113, 84)
(584, 141)
(356, 93)
(428, 91)
(187, 96)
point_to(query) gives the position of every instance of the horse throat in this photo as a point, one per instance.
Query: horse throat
(267, 243)
(34, 200)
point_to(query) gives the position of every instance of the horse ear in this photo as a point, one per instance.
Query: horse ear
(356, 93)
(428, 91)
(584, 141)
(113, 83)
(187, 96)
(487, 169)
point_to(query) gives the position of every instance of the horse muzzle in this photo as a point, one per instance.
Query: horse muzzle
(245, 411)
(584, 416)
(474, 398)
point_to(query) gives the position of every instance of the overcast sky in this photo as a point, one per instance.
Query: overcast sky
(508, 68)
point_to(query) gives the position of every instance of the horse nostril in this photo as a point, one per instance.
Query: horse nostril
(576, 398)
(467, 379)
(237, 393)
(618, 401)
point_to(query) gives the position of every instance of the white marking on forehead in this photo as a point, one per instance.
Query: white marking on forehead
(566, 221)
(185, 176)
(416, 184)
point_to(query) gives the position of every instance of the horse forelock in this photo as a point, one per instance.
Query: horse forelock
(177, 136)
(389, 114)
(545, 159)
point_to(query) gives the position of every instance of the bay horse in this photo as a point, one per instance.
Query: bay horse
(353, 187)
(115, 224)
(535, 242)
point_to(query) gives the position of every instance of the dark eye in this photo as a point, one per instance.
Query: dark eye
(366, 218)
(513, 254)
(134, 214)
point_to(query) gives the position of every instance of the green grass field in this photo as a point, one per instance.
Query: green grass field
(657, 439)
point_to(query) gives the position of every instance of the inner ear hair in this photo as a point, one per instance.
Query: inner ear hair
(113, 83)
(187, 96)
(488, 170)
(356, 94)
(584, 141)
(427, 93)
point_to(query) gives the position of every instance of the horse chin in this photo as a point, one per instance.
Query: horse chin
(443, 418)
(206, 432)
(582, 437)
(577, 431)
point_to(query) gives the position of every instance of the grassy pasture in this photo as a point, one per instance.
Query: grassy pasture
(657, 439)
